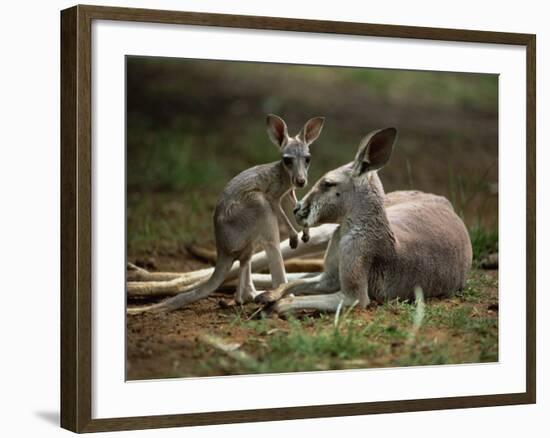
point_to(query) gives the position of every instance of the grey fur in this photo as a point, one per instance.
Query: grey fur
(247, 214)
(381, 250)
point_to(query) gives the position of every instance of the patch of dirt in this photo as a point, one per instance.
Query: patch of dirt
(165, 345)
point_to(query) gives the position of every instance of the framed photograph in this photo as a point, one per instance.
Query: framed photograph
(268, 218)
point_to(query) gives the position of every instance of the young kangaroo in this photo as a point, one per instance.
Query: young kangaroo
(377, 252)
(247, 214)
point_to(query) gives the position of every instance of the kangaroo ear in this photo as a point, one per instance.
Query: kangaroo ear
(277, 131)
(311, 130)
(374, 151)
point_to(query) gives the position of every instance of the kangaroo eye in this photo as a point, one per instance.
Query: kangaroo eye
(287, 161)
(328, 184)
(308, 160)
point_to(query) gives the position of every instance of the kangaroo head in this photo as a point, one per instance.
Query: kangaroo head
(295, 154)
(338, 191)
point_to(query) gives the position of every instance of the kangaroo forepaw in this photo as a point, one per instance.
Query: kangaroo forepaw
(305, 235)
(293, 241)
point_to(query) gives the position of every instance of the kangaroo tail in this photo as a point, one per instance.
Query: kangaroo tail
(176, 302)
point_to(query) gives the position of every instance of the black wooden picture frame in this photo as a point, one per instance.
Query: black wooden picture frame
(76, 217)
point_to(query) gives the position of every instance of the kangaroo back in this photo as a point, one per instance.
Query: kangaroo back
(433, 248)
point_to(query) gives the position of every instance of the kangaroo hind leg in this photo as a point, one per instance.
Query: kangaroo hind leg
(246, 292)
(276, 263)
(324, 303)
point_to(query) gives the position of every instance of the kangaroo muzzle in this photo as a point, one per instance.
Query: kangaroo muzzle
(301, 213)
(300, 181)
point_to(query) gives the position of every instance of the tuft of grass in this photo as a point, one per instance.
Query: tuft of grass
(484, 239)
(476, 287)
(157, 222)
(456, 318)
(426, 352)
(484, 242)
(311, 344)
(169, 161)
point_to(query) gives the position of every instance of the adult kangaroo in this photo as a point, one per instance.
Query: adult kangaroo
(377, 253)
(247, 214)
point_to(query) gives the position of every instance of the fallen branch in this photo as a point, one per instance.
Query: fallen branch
(291, 265)
(261, 282)
(204, 254)
(136, 273)
(304, 265)
(184, 282)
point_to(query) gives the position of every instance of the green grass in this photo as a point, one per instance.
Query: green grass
(317, 344)
(462, 194)
(160, 222)
(480, 92)
(484, 242)
(169, 160)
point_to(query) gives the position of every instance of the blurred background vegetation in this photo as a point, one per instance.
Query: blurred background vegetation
(194, 124)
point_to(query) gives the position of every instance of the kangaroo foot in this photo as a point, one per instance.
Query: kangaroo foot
(281, 308)
(248, 295)
(270, 296)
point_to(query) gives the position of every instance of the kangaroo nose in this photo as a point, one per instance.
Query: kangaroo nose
(300, 181)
